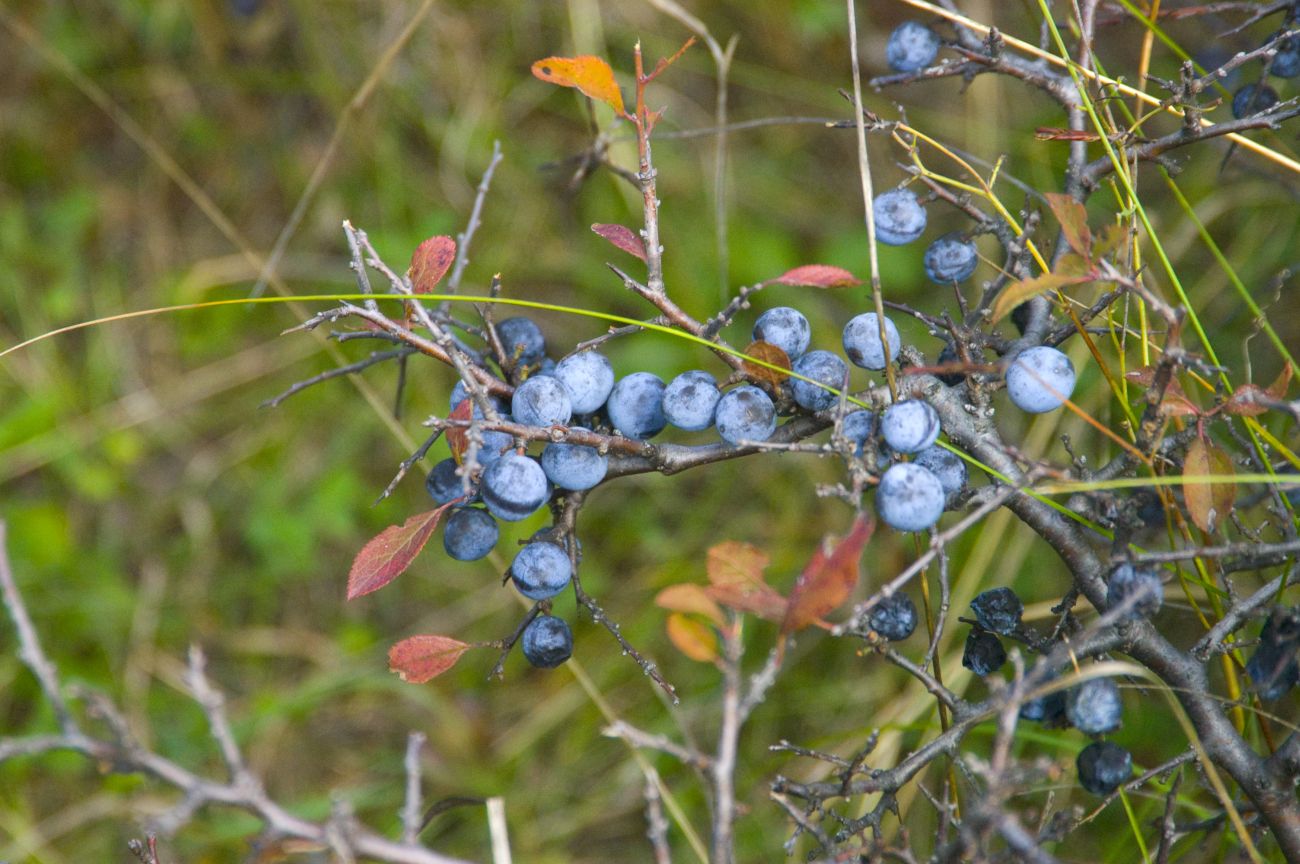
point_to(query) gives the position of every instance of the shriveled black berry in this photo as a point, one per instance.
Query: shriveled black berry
(984, 653)
(998, 610)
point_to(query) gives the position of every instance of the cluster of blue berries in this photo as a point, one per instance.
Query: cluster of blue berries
(1257, 97)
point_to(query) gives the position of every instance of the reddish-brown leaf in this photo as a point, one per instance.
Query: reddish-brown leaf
(1209, 503)
(622, 237)
(692, 638)
(388, 555)
(1247, 401)
(458, 436)
(430, 262)
(1278, 388)
(1074, 222)
(768, 353)
(818, 276)
(422, 658)
(1175, 402)
(690, 598)
(1027, 289)
(735, 572)
(828, 580)
(591, 75)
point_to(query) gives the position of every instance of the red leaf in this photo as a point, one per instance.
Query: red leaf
(1209, 503)
(422, 658)
(827, 581)
(622, 237)
(692, 638)
(818, 276)
(388, 555)
(430, 262)
(735, 570)
(768, 353)
(691, 598)
(591, 75)
(1074, 222)
(458, 436)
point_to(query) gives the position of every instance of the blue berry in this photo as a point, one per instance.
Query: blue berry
(900, 218)
(514, 487)
(822, 366)
(541, 401)
(947, 357)
(862, 341)
(636, 406)
(691, 399)
(1094, 707)
(1273, 667)
(573, 466)
(1251, 99)
(1103, 767)
(547, 642)
(946, 465)
(522, 341)
(909, 426)
(470, 534)
(541, 570)
(745, 414)
(786, 328)
(951, 258)
(1138, 588)
(1287, 62)
(983, 653)
(911, 47)
(589, 377)
(1040, 380)
(1047, 710)
(909, 498)
(998, 610)
(443, 484)
(858, 426)
(894, 617)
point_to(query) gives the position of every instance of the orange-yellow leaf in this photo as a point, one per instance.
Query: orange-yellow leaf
(828, 580)
(430, 262)
(1074, 222)
(735, 572)
(422, 658)
(692, 638)
(818, 276)
(622, 237)
(1108, 238)
(589, 74)
(768, 353)
(1027, 289)
(388, 555)
(690, 598)
(1278, 388)
(1208, 503)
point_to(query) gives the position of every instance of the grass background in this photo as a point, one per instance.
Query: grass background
(151, 504)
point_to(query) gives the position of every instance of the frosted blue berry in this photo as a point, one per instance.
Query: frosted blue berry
(858, 427)
(1103, 767)
(522, 341)
(1094, 707)
(470, 534)
(951, 258)
(635, 405)
(1137, 588)
(443, 484)
(946, 465)
(745, 414)
(541, 401)
(547, 642)
(824, 367)
(911, 47)
(900, 218)
(514, 487)
(998, 610)
(909, 498)
(983, 653)
(894, 617)
(573, 466)
(541, 570)
(589, 377)
(1047, 710)
(1251, 99)
(786, 328)
(1287, 62)
(691, 399)
(1040, 380)
(909, 426)
(862, 341)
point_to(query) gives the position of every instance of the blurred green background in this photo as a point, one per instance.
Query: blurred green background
(152, 504)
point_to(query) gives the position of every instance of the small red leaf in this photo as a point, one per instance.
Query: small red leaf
(430, 262)
(827, 581)
(422, 658)
(691, 598)
(1175, 402)
(622, 237)
(768, 353)
(1247, 401)
(1074, 222)
(818, 276)
(388, 555)
(692, 638)
(589, 74)
(1209, 503)
(458, 436)
(735, 572)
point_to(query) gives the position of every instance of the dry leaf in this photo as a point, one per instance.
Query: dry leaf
(735, 571)
(458, 436)
(430, 262)
(768, 353)
(1027, 289)
(828, 580)
(692, 599)
(1208, 503)
(589, 74)
(692, 638)
(1074, 222)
